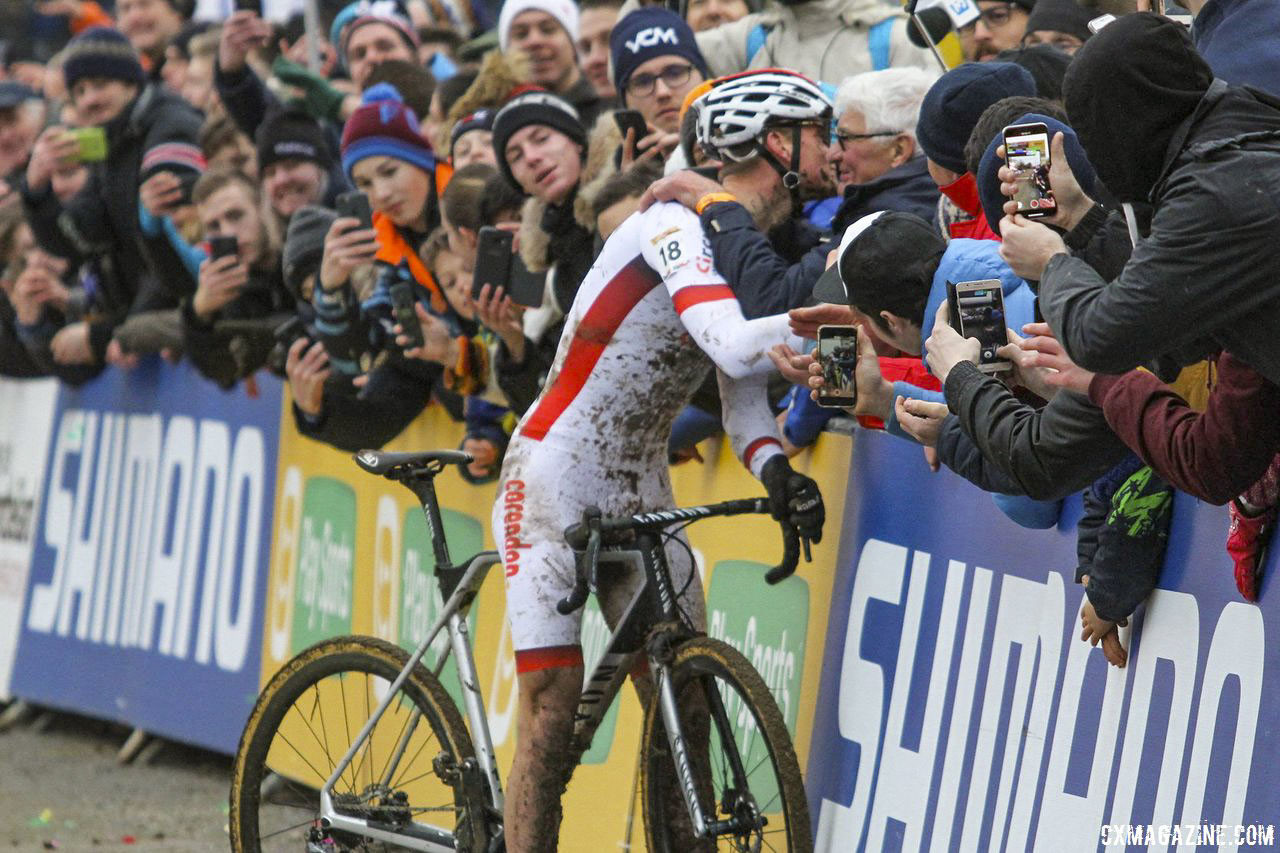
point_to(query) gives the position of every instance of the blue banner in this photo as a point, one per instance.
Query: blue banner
(145, 598)
(959, 710)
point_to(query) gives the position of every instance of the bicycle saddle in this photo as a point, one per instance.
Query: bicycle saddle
(390, 464)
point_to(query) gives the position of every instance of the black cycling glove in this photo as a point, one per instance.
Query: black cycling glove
(793, 498)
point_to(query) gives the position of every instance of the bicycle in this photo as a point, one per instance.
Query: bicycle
(302, 782)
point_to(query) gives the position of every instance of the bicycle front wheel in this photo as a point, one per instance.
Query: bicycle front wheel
(748, 777)
(304, 722)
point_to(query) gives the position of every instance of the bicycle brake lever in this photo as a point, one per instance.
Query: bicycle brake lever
(790, 556)
(808, 554)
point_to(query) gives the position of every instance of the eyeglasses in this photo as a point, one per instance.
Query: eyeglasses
(844, 139)
(993, 16)
(674, 76)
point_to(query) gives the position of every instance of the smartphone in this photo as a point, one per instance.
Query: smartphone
(186, 187)
(838, 355)
(493, 260)
(402, 303)
(1026, 150)
(223, 246)
(526, 288)
(355, 204)
(977, 311)
(1096, 24)
(631, 120)
(254, 6)
(92, 143)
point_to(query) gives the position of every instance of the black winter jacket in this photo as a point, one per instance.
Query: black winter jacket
(1210, 266)
(1003, 445)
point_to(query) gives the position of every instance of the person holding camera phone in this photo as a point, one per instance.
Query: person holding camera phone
(399, 179)
(146, 130)
(652, 76)
(240, 282)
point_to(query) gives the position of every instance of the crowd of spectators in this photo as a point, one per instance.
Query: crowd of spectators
(201, 179)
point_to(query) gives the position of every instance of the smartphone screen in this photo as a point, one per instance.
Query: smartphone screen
(402, 302)
(980, 314)
(493, 260)
(838, 355)
(1026, 150)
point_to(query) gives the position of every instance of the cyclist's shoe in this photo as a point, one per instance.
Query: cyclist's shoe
(793, 498)
(1247, 541)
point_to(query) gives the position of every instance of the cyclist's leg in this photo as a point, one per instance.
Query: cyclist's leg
(544, 757)
(528, 522)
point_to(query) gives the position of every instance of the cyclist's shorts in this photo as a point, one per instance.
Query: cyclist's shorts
(541, 493)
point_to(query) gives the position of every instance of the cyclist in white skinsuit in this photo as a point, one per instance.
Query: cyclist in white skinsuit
(650, 318)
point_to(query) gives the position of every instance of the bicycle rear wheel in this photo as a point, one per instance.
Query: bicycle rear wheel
(741, 753)
(304, 722)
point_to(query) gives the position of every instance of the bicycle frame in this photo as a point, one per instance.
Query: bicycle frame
(651, 613)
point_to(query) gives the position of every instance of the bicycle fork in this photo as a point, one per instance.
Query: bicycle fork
(704, 826)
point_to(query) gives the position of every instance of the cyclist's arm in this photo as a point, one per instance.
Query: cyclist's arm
(702, 298)
(748, 419)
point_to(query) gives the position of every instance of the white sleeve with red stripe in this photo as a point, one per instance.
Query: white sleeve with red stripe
(750, 423)
(710, 312)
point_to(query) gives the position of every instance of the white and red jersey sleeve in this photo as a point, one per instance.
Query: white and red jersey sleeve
(676, 248)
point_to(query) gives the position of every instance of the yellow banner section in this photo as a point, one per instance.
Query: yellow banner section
(350, 554)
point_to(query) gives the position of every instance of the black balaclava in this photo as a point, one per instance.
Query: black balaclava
(1127, 91)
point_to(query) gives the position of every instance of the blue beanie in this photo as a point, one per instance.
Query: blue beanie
(989, 185)
(384, 127)
(954, 103)
(645, 34)
(101, 52)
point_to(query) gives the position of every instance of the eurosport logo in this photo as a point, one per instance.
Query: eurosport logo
(1028, 754)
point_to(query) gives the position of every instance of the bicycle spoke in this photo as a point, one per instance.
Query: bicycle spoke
(398, 783)
(287, 829)
(382, 774)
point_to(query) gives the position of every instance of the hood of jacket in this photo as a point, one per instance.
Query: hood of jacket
(976, 260)
(1127, 92)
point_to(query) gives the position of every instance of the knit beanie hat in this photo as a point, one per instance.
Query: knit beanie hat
(384, 127)
(479, 120)
(954, 103)
(645, 34)
(564, 11)
(292, 135)
(304, 245)
(1140, 73)
(989, 185)
(353, 17)
(101, 52)
(1063, 16)
(532, 105)
(1046, 63)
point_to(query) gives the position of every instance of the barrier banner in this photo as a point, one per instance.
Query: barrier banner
(959, 710)
(350, 553)
(26, 418)
(145, 597)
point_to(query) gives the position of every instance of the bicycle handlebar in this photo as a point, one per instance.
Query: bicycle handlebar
(587, 536)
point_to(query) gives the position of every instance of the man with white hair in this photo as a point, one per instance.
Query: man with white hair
(877, 163)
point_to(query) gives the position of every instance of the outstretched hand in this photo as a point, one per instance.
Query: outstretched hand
(1048, 353)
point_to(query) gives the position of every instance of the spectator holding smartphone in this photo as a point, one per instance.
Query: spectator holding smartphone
(240, 287)
(146, 130)
(653, 75)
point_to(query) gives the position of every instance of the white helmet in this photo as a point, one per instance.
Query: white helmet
(734, 113)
